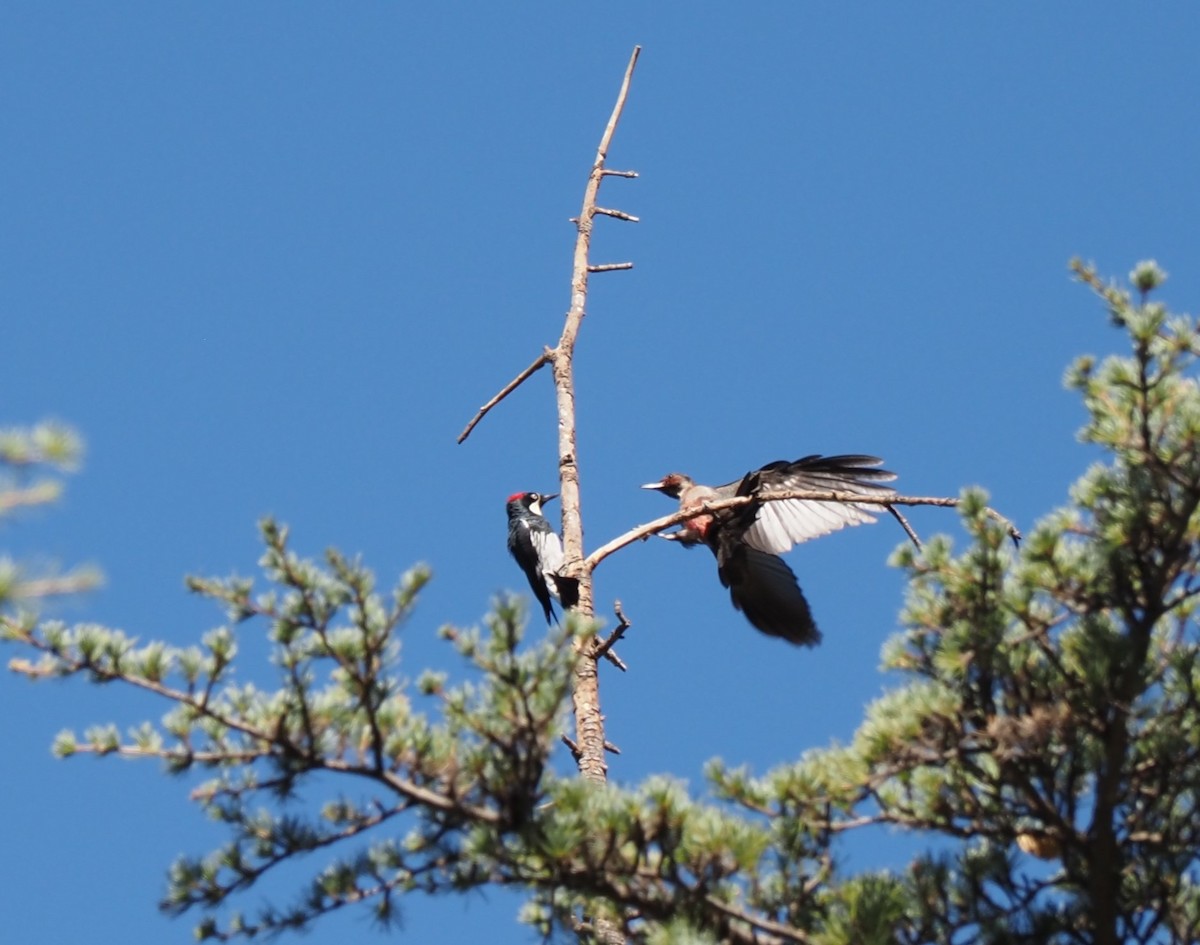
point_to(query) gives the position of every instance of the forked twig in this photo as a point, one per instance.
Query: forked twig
(605, 648)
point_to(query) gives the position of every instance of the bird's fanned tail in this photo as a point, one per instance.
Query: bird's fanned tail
(765, 589)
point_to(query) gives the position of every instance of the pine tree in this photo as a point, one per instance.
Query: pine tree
(1046, 734)
(32, 461)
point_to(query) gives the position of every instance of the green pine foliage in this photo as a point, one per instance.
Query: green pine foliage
(1041, 745)
(32, 460)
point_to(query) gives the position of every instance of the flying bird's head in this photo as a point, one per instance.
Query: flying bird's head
(671, 485)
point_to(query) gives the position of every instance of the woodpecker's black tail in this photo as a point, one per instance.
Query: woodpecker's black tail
(568, 590)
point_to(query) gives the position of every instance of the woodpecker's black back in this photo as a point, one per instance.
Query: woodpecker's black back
(537, 549)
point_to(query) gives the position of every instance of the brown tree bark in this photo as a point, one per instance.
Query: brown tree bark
(589, 745)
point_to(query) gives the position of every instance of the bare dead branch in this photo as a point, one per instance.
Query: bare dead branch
(589, 744)
(585, 689)
(541, 361)
(585, 693)
(617, 214)
(611, 656)
(660, 524)
(623, 624)
(571, 746)
(566, 343)
(899, 517)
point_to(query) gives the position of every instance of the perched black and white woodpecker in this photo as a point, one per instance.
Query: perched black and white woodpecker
(748, 540)
(536, 546)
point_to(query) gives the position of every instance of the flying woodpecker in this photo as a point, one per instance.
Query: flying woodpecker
(535, 545)
(748, 540)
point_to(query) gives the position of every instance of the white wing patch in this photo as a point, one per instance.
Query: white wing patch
(780, 525)
(550, 555)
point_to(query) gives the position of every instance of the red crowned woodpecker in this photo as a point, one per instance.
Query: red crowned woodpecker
(537, 549)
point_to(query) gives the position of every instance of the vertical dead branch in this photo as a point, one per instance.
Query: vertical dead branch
(589, 723)
(589, 744)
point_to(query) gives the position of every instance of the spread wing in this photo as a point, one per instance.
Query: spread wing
(778, 526)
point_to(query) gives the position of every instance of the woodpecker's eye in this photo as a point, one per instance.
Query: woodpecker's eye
(534, 497)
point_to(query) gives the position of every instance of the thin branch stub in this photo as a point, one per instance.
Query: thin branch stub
(611, 656)
(617, 214)
(908, 529)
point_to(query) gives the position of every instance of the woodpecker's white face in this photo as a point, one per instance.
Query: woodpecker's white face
(530, 501)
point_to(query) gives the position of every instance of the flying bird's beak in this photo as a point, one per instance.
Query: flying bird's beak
(653, 485)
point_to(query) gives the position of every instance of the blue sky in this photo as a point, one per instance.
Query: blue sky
(270, 258)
